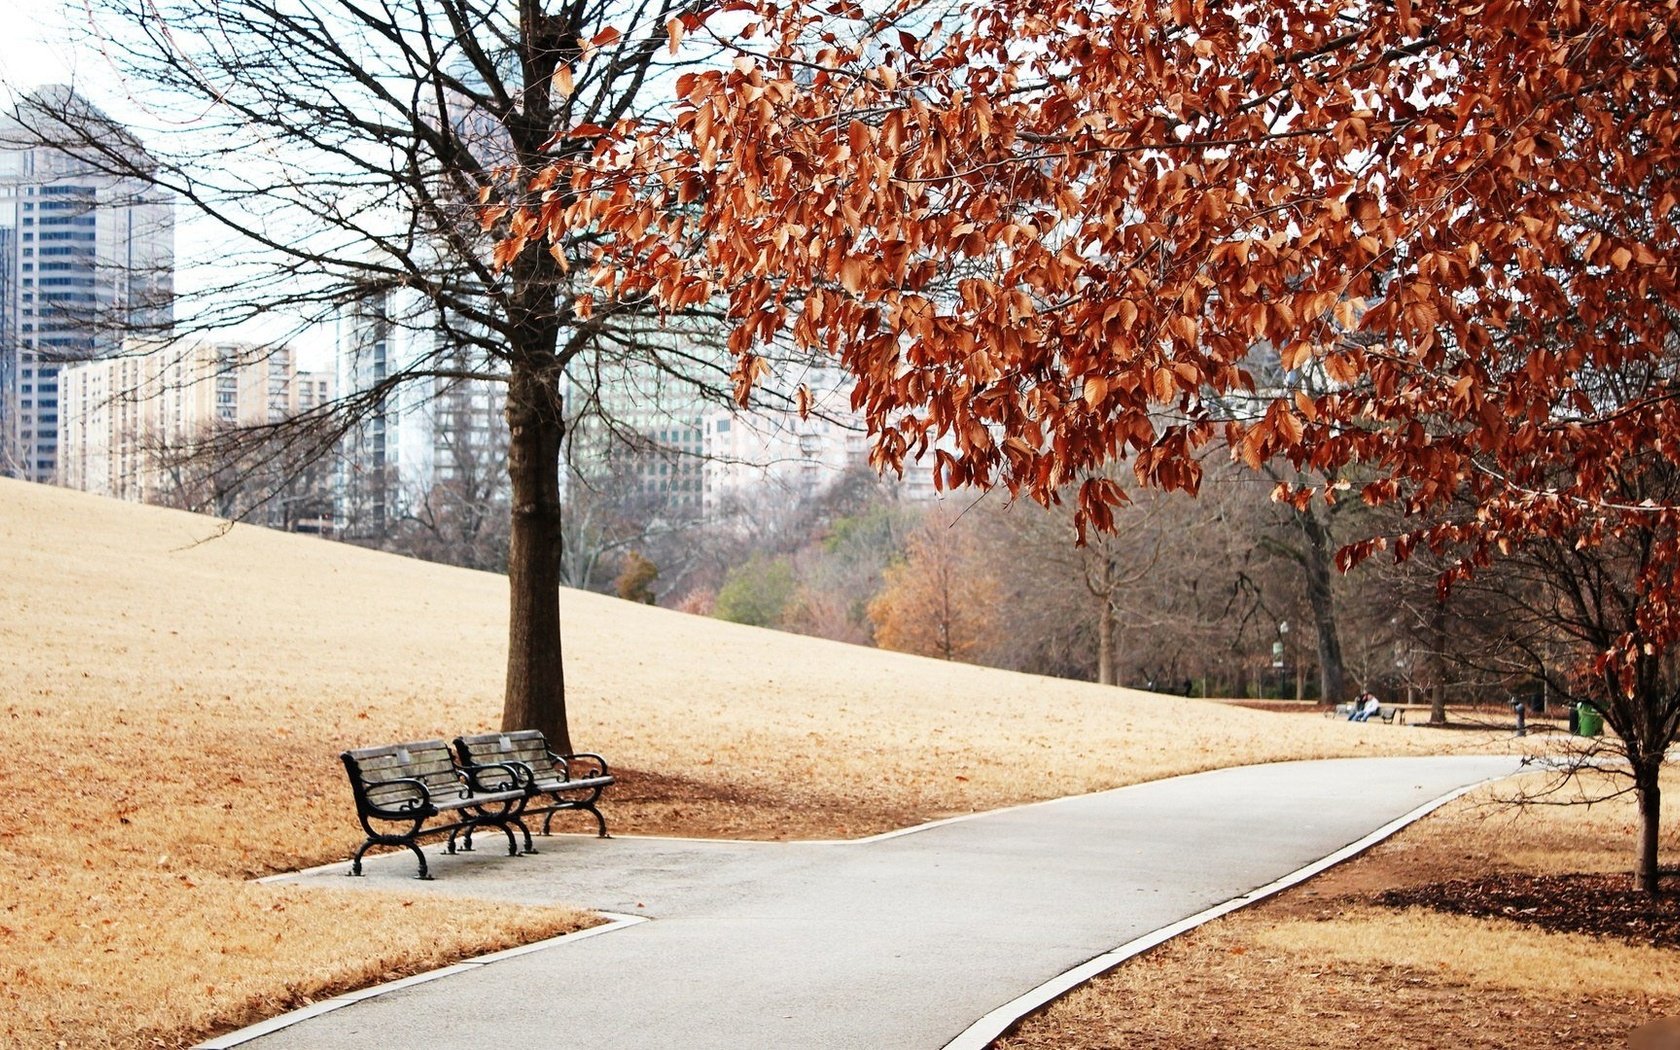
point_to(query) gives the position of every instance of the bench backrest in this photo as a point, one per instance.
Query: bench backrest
(373, 770)
(527, 746)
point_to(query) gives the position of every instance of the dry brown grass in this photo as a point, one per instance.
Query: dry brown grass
(1483, 953)
(1215, 989)
(174, 705)
(1319, 967)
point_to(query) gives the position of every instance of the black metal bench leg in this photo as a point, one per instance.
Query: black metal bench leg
(503, 824)
(600, 821)
(565, 805)
(356, 861)
(424, 874)
(520, 824)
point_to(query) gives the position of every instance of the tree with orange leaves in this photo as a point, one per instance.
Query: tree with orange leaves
(1047, 235)
(939, 601)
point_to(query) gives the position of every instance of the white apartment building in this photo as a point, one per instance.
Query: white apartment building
(755, 457)
(637, 429)
(134, 425)
(764, 456)
(637, 426)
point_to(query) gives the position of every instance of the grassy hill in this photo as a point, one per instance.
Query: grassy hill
(175, 694)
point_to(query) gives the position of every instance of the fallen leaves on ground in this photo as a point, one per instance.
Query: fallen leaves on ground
(1606, 904)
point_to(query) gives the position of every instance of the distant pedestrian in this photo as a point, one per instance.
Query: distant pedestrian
(1365, 705)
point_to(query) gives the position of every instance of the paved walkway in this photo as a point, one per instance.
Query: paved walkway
(903, 940)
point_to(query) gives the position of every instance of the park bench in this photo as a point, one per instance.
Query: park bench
(1386, 712)
(399, 788)
(555, 783)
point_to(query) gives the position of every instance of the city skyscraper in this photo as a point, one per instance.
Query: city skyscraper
(86, 259)
(435, 434)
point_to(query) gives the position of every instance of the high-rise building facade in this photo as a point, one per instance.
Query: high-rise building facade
(777, 457)
(637, 428)
(771, 456)
(422, 425)
(86, 259)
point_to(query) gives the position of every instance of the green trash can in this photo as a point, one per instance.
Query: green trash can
(1588, 722)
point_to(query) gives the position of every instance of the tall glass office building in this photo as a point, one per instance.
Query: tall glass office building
(86, 258)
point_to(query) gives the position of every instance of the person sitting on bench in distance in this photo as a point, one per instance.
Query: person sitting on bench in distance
(1364, 706)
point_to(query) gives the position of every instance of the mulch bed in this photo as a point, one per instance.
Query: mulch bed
(1603, 904)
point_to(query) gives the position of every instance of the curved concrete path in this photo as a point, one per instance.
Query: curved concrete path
(900, 941)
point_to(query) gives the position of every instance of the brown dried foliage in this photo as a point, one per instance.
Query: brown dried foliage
(1049, 235)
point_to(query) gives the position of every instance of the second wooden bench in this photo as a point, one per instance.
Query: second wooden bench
(554, 783)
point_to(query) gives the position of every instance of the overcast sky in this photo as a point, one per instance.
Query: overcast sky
(34, 49)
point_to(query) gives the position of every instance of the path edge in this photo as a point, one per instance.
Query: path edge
(339, 1002)
(988, 1029)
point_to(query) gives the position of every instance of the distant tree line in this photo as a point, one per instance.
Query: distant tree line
(1229, 595)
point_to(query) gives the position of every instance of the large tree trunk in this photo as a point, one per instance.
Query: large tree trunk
(538, 312)
(536, 687)
(1648, 787)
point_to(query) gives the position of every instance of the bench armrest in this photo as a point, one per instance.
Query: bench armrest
(589, 758)
(418, 802)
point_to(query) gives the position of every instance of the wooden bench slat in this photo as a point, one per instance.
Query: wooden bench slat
(427, 761)
(387, 770)
(477, 799)
(434, 778)
(413, 747)
(399, 801)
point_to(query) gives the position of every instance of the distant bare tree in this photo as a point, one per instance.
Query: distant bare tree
(1175, 593)
(613, 509)
(269, 474)
(1554, 609)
